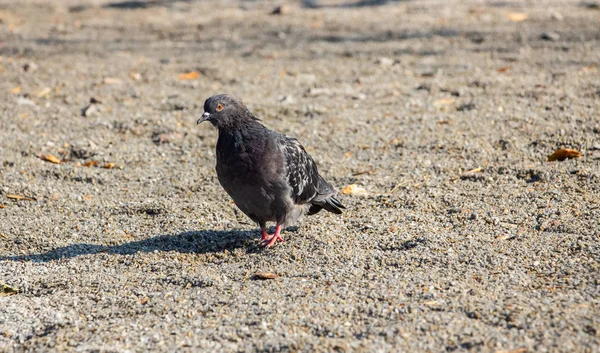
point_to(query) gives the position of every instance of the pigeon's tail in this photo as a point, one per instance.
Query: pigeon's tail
(325, 199)
(330, 204)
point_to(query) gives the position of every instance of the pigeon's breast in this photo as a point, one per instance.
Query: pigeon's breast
(253, 174)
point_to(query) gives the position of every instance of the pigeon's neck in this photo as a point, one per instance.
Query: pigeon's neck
(240, 139)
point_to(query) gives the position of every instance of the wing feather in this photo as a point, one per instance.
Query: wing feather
(302, 174)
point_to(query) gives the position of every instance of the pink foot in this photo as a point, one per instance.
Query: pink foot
(264, 234)
(269, 241)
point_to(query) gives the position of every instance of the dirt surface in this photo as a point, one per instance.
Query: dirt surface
(445, 112)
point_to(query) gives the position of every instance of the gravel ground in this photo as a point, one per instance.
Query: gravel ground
(445, 112)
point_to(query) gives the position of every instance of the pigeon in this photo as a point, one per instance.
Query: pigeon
(269, 176)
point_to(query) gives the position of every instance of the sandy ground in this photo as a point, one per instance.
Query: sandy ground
(468, 239)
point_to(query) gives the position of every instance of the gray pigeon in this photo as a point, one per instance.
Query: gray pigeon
(269, 176)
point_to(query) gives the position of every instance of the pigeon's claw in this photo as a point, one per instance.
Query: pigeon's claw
(270, 240)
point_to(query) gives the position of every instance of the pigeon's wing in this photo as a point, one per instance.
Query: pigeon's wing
(304, 179)
(302, 174)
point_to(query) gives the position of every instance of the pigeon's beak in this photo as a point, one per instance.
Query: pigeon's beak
(205, 116)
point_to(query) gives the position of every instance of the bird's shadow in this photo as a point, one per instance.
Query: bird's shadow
(199, 242)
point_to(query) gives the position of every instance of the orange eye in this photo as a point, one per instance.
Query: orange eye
(219, 107)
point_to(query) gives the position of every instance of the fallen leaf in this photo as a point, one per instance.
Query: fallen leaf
(444, 101)
(2, 206)
(90, 164)
(590, 68)
(189, 76)
(136, 76)
(46, 91)
(112, 81)
(564, 153)
(3, 236)
(19, 197)
(16, 90)
(6, 290)
(431, 302)
(517, 16)
(50, 158)
(143, 301)
(504, 68)
(354, 189)
(87, 197)
(109, 165)
(506, 237)
(476, 170)
(265, 275)
(518, 350)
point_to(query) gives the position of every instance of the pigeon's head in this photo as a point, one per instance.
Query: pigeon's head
(224, 110)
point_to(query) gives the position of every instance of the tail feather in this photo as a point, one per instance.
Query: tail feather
(330, 204)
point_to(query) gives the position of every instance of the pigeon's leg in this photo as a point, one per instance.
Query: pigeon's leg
(270, 240)
(264, 234)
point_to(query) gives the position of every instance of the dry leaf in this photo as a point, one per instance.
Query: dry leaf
(136, 76)
(50, 158)
(16, 90)
(143, 301)
(476, 170)
(431, 303)
(518, 350)
(90, 164)
(112, 81)
(109, 165)
(265, 275)
(590, 68)
(189, 76)
(5, 289)
(444, 101)
(564, 153)
(46, 91)
(19, 197)
(506, 237)
(87, 197)
(517, 16)
(3, 236)
(354, 189)
(2, 206)
(504, 68)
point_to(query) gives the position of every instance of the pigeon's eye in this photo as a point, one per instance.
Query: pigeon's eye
(219, 107)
